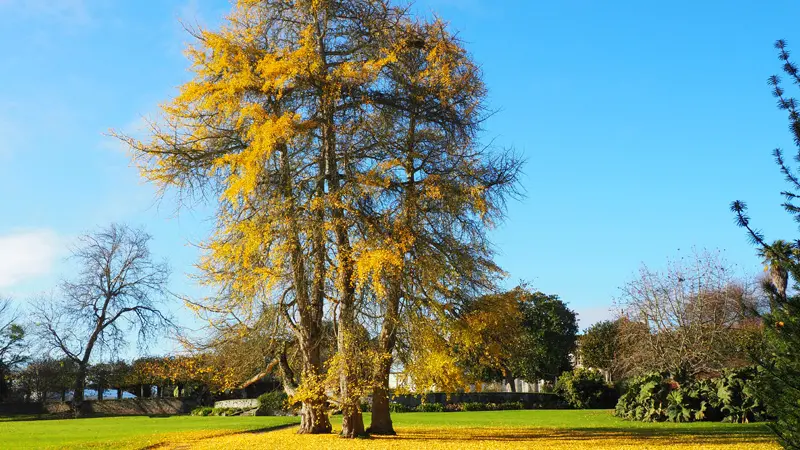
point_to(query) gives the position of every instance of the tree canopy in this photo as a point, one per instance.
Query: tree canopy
(340, 141)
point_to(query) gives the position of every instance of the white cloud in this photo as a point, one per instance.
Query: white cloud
(27, 255)
(591, 315)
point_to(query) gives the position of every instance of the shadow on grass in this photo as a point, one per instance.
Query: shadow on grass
(33, 417)
(270, 428)
(706, 436)
(188, 443)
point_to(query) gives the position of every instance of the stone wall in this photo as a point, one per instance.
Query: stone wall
(243, 403)
(124, 407)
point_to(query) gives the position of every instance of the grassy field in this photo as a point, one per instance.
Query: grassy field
(498, 429)
(125, 432)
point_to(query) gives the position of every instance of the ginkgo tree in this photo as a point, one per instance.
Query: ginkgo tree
(340, 141)
(435, 192)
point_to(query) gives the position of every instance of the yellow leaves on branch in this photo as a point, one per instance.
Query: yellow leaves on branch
(245, 168)
(185, 369)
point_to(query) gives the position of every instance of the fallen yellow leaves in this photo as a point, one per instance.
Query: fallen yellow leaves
(470, 438)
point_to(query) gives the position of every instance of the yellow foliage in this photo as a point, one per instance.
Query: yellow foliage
(472, 438)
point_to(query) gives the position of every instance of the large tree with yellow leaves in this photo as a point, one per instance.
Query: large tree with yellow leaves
(339, 138)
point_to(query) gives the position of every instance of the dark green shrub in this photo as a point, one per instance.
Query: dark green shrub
(738, 399)
(430, 407)
(226, 412)
(271, 403)
(585, 388)
(658, 397)
(511, 406)
(398, 408)
(473, 406)
(366, 407)
(202, 411)
(646, 398)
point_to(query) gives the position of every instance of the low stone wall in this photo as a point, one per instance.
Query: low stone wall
(136, 406)
(531, 400)
(124, 407)
(243, 403)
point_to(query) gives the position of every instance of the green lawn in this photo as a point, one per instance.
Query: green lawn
(583, 420)
(120, 432)
(139, 432)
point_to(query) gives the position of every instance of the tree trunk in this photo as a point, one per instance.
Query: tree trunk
(119, 393)
(347, 340)
(3, 385)
(63, 395)
(100, 391)
(381, 415)
(77, 395)
(348, 336)
(511, 384)
(313, 417)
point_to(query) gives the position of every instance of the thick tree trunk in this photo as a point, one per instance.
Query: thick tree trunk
(348, 336)
(510, 380)
(381, 415)
(352, 422)
(77, 395)
(100, 392)
(313, 418)
(352, 419)
(119, 393)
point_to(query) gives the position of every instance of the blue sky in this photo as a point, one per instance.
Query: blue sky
(640, 123)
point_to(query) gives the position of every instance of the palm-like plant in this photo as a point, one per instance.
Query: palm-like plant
(776, 258)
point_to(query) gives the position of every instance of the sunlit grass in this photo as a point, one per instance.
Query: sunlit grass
(508, 429)
(544, 429)
(123, 432)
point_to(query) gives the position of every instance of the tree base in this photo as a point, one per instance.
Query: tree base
(353, 426)
(382, 430)
(314, 420)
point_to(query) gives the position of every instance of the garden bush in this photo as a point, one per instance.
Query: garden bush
(202, 411)
(585, 388)
(399, 408)
(473, 406)
(271, 403)
(511, 406)
(209, 411)
(657, 397)
(430, 407)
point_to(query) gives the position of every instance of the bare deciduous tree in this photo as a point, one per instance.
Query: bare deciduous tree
(119, 290)
(690, 319)
(11, 344)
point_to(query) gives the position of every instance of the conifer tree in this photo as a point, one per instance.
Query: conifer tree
(780, 385)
